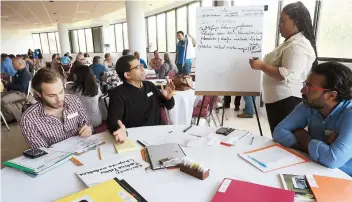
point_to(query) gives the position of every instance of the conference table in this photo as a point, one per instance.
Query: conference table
(161, 185)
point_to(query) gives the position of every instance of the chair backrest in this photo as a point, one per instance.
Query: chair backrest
(171, 74)
(164, 116)
(68, 82)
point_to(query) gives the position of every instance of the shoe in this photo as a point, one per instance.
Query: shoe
(237, 108)
(244, 115)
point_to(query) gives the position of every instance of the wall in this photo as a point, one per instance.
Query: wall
(16, 41)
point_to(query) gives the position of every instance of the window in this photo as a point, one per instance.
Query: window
(192, 11)
(310, 6)
(89, 40)
(58, 42)
(270, 21)
(171, 31)
(52, 42)
(119, 38)
(152, 34)
(125, 35)
(161, 32)
(182, 19)
(334, 36)
(44, 42)
(36, 41)
(82, 41)
(112, 39)
(97, 42)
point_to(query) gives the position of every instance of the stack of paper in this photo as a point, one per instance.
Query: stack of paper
(40, 165)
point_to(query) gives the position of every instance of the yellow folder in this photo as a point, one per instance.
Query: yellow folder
(107, 191)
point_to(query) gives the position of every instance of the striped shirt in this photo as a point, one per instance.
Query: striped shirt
(42, 130)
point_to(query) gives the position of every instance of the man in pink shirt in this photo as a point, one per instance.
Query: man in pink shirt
(156, 62)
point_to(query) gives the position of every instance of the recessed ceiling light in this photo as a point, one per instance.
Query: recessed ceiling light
(54, 13)
(51, 1)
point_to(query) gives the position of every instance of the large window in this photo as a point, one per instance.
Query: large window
(89, 40)
(171, 31)
(192, 11)
(58, 42)
(161, 32)
(152, 33)
(82, 41)
(45, 43)
(334, 36)
(113, 41)
(125, 35)
(52, 42)
(119, 38)
(182, 19)
(36, 41)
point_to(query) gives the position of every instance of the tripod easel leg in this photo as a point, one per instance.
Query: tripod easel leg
(256, 113)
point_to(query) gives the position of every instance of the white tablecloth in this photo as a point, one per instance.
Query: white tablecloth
(181, 114)
(161, 185)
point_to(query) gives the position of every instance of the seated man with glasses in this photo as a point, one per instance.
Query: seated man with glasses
(136, 102)
(327, 112)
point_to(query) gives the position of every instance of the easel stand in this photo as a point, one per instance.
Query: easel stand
(252, 94)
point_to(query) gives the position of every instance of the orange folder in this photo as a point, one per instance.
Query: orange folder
(330, 189)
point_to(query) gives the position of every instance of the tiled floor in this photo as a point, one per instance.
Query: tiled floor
(13, 144)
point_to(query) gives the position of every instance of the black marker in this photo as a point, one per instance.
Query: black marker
(189, 127)
(141, 143)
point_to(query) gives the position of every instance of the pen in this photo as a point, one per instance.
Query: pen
(252, 140)
(185, 130)
(258, 162)
(141, 143)
(100, 154)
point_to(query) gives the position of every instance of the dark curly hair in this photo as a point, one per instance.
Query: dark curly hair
(338, 77)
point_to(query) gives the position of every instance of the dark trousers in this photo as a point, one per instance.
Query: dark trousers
(185, 69)
(227, 100)
(277, 111)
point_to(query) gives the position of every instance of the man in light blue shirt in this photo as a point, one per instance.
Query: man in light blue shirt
(327, 111)
(6, 65)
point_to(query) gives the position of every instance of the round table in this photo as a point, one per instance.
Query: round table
(160, 185)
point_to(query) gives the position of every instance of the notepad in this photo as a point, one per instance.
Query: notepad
(126, 146)
(107, 191)
(273, 157)
(77, 144)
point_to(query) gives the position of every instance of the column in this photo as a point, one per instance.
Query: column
(136, 27)
(107, 37)
(63, 38)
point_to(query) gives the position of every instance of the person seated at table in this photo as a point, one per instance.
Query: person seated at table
(98, 67)
(108, 63)
(88, 59)
(141, 61)
(136, 102)
(65, 60)
(156, 62)
(7, 69)
(327, 111)
(168, 66)
(86, 89)
(80, 60)
(16, 91)
(56, 116)
(126, 52)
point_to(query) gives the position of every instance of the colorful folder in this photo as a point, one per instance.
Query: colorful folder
(330, 189)
(235, 190)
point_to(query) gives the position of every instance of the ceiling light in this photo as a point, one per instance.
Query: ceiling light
(51, 1)
(54, 13)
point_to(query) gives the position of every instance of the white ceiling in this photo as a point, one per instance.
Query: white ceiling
(41, 14)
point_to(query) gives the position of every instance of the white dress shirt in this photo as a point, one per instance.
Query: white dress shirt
(294, 58)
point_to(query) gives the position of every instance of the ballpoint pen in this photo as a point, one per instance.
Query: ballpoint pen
(258, 162)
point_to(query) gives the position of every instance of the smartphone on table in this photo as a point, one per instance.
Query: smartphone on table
(34, 153)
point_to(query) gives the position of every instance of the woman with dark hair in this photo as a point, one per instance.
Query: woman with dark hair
(108, 61)
(86, 88)
(167, 67)
(30, 53)
(97, 67)
(286, 68)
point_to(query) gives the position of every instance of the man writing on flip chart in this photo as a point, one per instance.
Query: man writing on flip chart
(327, 111)
(136, 102)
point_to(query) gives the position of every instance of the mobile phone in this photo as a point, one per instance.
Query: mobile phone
(224, 131)
(34, 153)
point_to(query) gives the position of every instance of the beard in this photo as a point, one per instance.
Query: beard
(54, 105)
(311, 103)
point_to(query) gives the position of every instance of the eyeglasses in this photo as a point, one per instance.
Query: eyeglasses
(136, 67)
(309, 88)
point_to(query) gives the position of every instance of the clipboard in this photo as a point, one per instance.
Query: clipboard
(158, 153)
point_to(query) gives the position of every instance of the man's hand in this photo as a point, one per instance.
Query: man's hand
(303, 139)
(85, 131)
(120, 134)
(329, 139)
(168, 90)
(256, 64)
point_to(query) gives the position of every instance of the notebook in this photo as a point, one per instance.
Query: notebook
(235, 190)
(107, 191)
(126, 146)
(299, 185)
(328, 189)
(273, 157)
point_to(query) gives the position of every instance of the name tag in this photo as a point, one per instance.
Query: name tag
(73, 115)
(150, 94)
(330, 132)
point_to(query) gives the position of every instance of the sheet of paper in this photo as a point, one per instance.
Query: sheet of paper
(200, 142)
(236, 136)
(77, 144)
(276, 157)
(116, 168)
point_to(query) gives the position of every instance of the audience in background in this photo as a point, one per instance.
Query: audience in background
(168, 66)
(136, 102)
(16, 91)
(108, 61)
(56, 116)
(65, 60)
(183, 62)
(126, 52)
(86, 88)
(29, 63)
(30, 53)
(88, 59)
(97, 67)
(12, 56)
(327, 112)
(6, 66)
(156, 62)
(80, 60)
(141, 61)
(19, 56)
(55, 62)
